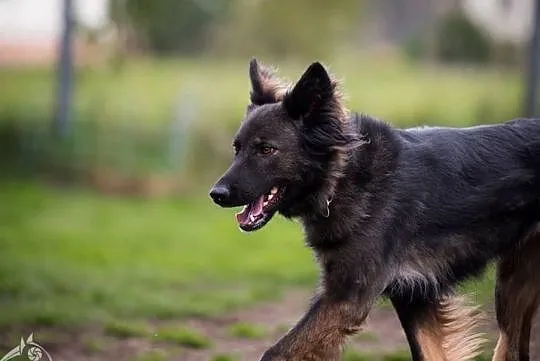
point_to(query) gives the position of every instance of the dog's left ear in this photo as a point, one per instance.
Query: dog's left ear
(266, 87)
(311, 92)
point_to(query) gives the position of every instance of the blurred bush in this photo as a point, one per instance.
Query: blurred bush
(287, 29)
(228, 27)
(168, 26)
(459, 40)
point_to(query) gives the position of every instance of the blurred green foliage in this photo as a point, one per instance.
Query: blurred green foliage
(125, 120)
(169, 26)
(278, 27)
(288, 29)
(303, 29)
(458, 40)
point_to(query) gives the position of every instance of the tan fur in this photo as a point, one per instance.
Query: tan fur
(502, 348)
(321, 334)
(518, 296)
(430, 340)
(448, 333)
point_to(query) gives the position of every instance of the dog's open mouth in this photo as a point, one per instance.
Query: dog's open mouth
(256, 214)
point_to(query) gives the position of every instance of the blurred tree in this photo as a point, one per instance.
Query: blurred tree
(168, 26)
(459, 40)
(313, 28)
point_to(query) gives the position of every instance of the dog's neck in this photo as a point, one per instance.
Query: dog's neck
(358, 174)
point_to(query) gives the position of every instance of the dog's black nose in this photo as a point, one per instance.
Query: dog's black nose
(220, 194)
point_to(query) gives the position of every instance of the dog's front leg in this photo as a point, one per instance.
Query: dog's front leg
(321, 332)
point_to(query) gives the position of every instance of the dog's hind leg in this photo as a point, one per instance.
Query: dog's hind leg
(439, 329)
(517, 296)
(408, 314)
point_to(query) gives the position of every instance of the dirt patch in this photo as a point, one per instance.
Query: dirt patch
(382, 334)
(382, 327)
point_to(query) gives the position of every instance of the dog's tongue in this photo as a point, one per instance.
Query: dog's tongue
(252, 210)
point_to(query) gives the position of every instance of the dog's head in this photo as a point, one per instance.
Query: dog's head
(289, 150)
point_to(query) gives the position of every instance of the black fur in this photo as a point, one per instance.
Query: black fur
(412, 212)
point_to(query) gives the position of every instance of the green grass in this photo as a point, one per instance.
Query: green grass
(404, 355)
(154, 355)
(223, 357)
(183, 336)
(247, 331)
(122, 329)
(71, 256)
(389, 88)
(366, 336)
(484, 357)
(131, 258)
(353, 355)
(95, 345)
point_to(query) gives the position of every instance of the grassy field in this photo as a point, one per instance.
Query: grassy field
(148, 91)
(71, 258)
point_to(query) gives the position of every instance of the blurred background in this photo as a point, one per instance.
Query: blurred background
(116, 116)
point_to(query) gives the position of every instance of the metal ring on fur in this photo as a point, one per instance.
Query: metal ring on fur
(327, 208)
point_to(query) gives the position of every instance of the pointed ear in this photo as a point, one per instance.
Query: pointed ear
(266, 88)
(311, 92)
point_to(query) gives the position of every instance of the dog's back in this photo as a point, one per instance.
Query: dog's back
(464, 195)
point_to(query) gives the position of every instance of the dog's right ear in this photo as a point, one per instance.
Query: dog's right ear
(312, 92)
(266, 87)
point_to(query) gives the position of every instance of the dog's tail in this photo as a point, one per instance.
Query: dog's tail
(447, 333)
(459, 321)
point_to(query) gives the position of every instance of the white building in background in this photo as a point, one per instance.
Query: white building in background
(504, 20)
(30, 29)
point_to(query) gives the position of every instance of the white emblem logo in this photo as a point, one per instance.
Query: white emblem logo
(35, 351)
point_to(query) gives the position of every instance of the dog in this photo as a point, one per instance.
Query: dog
(406, 214)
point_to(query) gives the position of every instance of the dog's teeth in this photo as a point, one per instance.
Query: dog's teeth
(270, 196)
(265, 204)
(252, 218)
(274, 190)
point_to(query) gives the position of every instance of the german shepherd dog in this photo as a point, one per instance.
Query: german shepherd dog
(405, 214)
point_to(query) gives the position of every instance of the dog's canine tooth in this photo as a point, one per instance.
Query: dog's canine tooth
(265, 204)
(274, 191)
(270, 196)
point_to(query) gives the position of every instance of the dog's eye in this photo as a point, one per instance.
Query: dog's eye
(266, 150)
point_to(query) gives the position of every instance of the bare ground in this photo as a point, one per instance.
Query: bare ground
(382, 334)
